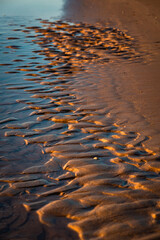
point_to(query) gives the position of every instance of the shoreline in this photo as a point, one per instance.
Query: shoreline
(73, 159)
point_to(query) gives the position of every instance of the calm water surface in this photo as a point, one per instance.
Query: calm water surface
(68, 170)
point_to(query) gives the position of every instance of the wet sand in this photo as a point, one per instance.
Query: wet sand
(136, 84)
(74, 154)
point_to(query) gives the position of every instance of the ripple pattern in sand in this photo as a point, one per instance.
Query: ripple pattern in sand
(85, 173)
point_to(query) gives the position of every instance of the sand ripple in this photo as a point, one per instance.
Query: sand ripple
(71, 163)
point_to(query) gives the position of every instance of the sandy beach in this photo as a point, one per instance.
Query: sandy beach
(79, 122)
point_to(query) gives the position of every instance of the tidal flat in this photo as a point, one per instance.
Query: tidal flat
(79, 148)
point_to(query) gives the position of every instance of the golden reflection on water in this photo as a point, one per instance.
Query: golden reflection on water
(76, 166)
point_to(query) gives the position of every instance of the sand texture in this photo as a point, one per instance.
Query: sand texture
(79, 129)
(136, 84)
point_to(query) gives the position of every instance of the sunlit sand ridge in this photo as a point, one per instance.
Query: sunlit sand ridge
(85, 171)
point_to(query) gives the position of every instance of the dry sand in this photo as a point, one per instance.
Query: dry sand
(136, 84)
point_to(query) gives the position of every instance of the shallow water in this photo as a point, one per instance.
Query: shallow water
(37, 8)
(66, 164)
